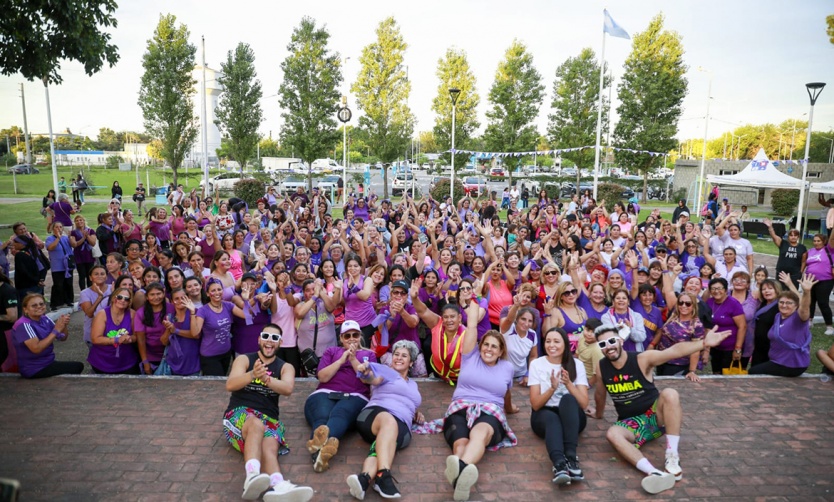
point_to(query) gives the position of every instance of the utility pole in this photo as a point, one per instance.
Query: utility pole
(25, 128)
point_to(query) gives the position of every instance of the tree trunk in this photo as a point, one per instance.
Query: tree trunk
(309, 178)
(578, 177)
(384, 181)
(645, 186)
(174, 171)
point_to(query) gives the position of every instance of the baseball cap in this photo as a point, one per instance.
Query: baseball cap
(400, 284)
(249, 275)
(642, 270)
(350, 326)
(684, 213)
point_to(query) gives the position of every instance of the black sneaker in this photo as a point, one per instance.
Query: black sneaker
(384, 485)
(560, 474)
(359, 484)
(574, 470)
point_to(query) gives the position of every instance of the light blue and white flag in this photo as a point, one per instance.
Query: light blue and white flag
(612, 28)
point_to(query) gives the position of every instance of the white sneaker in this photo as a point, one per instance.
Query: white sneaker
(657, 482)
(254, 485)
(829, 331)
(288, 492)
(467, 479)
(673, 466)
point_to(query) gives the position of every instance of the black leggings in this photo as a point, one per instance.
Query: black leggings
(62, 293)
(771, 368)
(365, 422)
(820, 294)
(672, 370)
(60, 368)
(455, 428)
(560, 428)
(722, 359)
(83, 270)
(216, 365)
(133, 370)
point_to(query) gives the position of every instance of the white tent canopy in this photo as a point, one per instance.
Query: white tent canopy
(827, 187)
(759, 173)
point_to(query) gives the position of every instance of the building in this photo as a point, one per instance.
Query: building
(213, 91)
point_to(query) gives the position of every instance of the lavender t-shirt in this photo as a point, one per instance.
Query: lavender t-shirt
(398, 396)
(24, 329)
(89, 296)
(216, 337)
(399, 330)
(153, 334)
(361, 311)
(245, 337)
(585, 302)
(183, 353)
(483, 383)
(345, 378)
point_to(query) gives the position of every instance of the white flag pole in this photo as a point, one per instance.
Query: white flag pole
(599, 114)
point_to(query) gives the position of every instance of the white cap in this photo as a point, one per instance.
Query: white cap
(442, 206)
(350, 326)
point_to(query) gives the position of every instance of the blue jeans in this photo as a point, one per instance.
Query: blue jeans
(339, 415)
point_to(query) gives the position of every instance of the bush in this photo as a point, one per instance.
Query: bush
(610, 193)
(784, 201)
(553, 191)
(443, 189)
(113, 162)
(250, 190)
(679, 194)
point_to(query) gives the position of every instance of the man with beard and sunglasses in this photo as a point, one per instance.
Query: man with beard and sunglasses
(643, 412)
(251, 421)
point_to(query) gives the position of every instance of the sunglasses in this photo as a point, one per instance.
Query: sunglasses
(685, 304)
(397, 293)
(607, 343)
(123, 298)
(465, 288)
(351, 334)
(660, 251)
(551, 272)
(571, 292)
(273, 337)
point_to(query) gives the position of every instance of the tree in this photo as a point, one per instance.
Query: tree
(38, 34)
(651, 92)
(453, 71)
(268, 147)
(166, 90)
(516, 96)
(309, 94)
(575, 108)
(108, 140)
(239, 112)
(428, 142)
(829, 30)
(382, 90)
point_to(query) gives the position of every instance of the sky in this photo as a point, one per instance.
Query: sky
(759, 54)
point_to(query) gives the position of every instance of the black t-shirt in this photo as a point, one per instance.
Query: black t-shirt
(256, 394)
(790, 258)
(140, 194)
(628, 387)
(8, 300)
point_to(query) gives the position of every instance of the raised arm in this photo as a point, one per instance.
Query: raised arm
(470, 336)
(430, 318)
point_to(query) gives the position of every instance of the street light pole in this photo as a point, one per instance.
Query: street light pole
(706, 129)
(830, 149)
(814, 89)
(454, 92)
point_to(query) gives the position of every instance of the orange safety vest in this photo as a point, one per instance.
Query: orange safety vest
(444, 362)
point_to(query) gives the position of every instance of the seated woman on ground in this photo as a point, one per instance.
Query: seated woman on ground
(34, 335)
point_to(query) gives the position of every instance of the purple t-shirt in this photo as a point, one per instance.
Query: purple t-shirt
(790, 341)
(162, 231)
(84, 252)
(484, 324)
(651, 320)
(399, 330)
(585, 302)
(153, 334)
(183, 353)
(398, 396)
(722, 316)
(110, 358)
(245, 337)
(345, 378)
(58, 256)
(87, 295)
(818, 264)
(483, 383)
(24, 329)
(62, 211)
(361, 311)
(216, 337)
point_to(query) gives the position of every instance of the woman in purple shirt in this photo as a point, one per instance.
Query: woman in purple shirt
(182, 348)
(33, 336)
(790, 336)
(358, 292)
(728, 315)
(331, 409)
(61, 211)
(148, 327)
(114, 347)
(213, 323)
(82, 239)
(819, 264)
(60, 250)
(386, 420)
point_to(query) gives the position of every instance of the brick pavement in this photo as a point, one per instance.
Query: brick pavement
(99, 438)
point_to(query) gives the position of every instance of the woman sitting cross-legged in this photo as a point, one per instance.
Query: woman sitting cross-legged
(331, 409)
(558, 394)
(386, 421)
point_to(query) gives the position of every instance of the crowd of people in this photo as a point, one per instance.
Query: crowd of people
(560, 297)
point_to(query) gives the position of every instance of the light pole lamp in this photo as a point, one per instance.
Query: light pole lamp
(814, 89)
(830, 149)
(454, 92)
(706, 129)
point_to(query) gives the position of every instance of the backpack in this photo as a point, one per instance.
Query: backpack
(705, 210)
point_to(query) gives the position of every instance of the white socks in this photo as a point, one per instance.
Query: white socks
(672, 443)
(645, 466)
(275, 478)
(253, 467)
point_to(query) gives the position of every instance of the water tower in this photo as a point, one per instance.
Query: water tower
(213, 90)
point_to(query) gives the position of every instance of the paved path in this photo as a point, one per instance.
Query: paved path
(125, 439)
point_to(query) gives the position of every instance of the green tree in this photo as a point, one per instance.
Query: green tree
(651, 92)
(516, 96)
(38, 34)
(268, 147)
(821, 146)
(829, 30)
(166, 90)
(453, 71)
(109, 140)
(575, 105)
(239, 112)
(309, 94)
(381, 91)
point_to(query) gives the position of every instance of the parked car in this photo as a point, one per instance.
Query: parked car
(497, 171)
(568, 189)
(23, 169)
(474, 186)
(329, 182)
(326, 165)
(568, 171)
(291, 184)
(402, 182)
(436, 179)
(224, 181)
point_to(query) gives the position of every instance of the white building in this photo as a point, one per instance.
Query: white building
(213, 90)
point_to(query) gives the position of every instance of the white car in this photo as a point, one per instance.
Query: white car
(402, 182)
(223, 182)
(329, 183)
(291, 184)
(326, 165)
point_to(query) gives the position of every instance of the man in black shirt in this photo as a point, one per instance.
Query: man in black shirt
(256, 381)
(643, 413)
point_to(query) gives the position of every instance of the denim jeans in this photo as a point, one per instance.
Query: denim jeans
(339, 415)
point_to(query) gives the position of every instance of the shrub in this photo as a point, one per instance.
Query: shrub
(250, 190)
(610, 193)
(113, 162)
(784, 201)
(553, 190)
(443, 189)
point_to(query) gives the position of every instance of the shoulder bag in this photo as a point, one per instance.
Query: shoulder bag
(309, 359)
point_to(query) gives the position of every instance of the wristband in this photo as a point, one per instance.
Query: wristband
(288, 290)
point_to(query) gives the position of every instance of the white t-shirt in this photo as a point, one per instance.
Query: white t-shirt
(540, 370)
(742, 246)
(518, 349)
